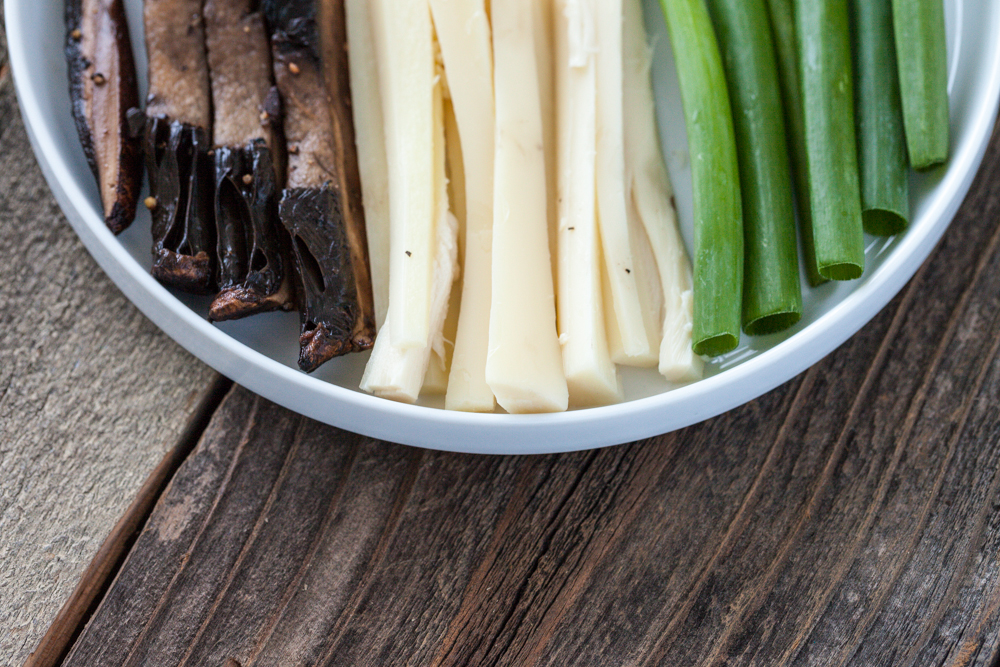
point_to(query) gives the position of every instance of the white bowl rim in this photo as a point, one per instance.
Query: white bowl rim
(500, 433)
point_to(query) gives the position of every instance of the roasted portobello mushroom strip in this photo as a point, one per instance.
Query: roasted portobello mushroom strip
(321, 207)
(177, 144)
(336, 68)
(252, 269)
(102, 87)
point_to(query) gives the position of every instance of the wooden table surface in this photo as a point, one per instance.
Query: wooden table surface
(153, 514)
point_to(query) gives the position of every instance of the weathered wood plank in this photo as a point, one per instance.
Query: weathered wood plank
(429, 551)
(537, 591)
(923, 476)
(679, 580)
(92, 398)
(168, 536)
(238, 510)
(356, 532)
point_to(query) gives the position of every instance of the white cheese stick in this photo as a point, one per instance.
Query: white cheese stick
(436, 380)
(524, 366)
(623, 299)
(647, 280)
(590, 374)
(463, 31)
(369, 136)
(652, 195)
(398, 372)
(405, 55)
(545, 14)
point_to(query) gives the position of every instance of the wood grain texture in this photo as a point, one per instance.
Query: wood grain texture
(850, 517)
(92, 397)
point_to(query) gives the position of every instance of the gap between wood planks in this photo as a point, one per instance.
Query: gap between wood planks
(101, 571)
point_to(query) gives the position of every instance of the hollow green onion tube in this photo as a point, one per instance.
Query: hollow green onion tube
(923, 78)
(884, 171)
(831, 149)
(786, 49)
(718, 213)
(772, 296)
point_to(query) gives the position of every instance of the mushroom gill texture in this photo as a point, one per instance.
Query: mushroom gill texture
(328, 307)
(103, 88)
(321, 206)
(252, 255)
(181, 187)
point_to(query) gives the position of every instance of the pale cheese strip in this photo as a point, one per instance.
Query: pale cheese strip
(405, 56)
(397, 372)
(652, 193)
(369, 136)
(623, 299)
(442, 203)
(436, 380)
(647, 280)
(524, 366)
(463, 31)
(590, 374)
(544, 18)
(647, 277)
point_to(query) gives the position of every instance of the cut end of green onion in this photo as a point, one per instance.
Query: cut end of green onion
(929, 162)
(773, 323)
(843, 271)
(716, 345)
(883, 222)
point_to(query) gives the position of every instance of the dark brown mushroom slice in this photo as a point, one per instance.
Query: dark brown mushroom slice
(334, 52)
(178, 146)
(321, 207)
(329, 307)
(102, 86)
(253, 273)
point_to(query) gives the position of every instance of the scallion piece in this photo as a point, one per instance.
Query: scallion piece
(828, 105)
(718, 213)
(772, 297)
(786, 48)
(884, 172)
(923, 78)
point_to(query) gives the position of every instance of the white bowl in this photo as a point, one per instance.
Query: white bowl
(260, 353)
